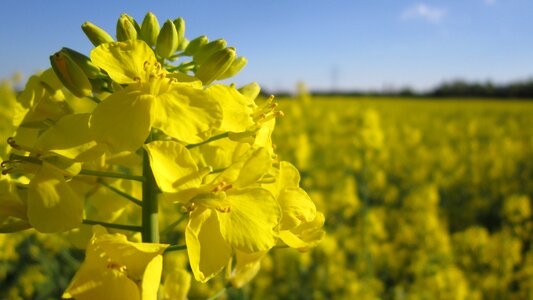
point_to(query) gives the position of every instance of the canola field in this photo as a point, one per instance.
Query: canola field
(423, 198)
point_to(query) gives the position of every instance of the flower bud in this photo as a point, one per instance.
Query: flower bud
(149, 29)
(183, 44)
(167, 41)
(96, 34)
(207, 50)
(126, 28)
(236, 67)
(250, 90)
(85, 63)
(71, 75)
(180, 28)
(215, 65)
(101, 85)
(195, 45)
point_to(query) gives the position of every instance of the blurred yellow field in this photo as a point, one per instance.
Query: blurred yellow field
(424, 198)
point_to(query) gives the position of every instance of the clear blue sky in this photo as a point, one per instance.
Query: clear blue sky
(345, 43)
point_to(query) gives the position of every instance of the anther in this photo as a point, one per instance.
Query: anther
(224, 209)
(116, 266)
(146, 65)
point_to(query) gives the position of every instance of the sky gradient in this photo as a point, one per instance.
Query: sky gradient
(342, 44)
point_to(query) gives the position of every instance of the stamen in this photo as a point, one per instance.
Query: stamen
(116, 266)
(224, 209)
(190, 207)
(7, 171)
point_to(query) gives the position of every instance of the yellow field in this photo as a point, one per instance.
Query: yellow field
(424, 199)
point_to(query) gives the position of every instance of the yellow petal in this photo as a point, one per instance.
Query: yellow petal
(247, 169)
(254, 168)
(176, 285)
(151, 278)
(173, 167)
(288, 175)
(208, 251)
(71, 138)
(306, 235)
(236, 108)
(53, 206)
(10, 202)
(135, 256)
(123, 61)
(122, 121)
(291, 239)
(247, 266)
(296, 207)
(95, 281)
(186, 113)
(251, 224)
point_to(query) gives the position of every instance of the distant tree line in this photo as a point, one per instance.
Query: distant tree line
(450, 89)
(460, 88)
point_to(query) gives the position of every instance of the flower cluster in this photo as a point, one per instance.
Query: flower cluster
(137, 135)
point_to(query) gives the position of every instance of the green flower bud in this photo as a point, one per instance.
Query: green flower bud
(101, 85)
(183, 44)
(250, 90)
(149, 29)
(215, 65)
(195, 45)
(236, 67)
(207, 50)
(132, 20)
(96, 34)
(126, 28)
(167, 41)
(70, 74)
(85, 63)
(180, 27)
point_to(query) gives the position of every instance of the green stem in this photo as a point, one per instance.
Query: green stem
(173, 224)
(113, 225)
(150, 224)
(175, 248)
(218, 294)
(111, 175)
(211, 139)
(121, 193)
(94, 99)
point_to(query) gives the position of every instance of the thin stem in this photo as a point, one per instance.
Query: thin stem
(94, 99)
(175, 248)
(113, 225)
(121, 193)
(173, 224)
(211, 139)
(111, 175)
(150, 222)
(218, 294)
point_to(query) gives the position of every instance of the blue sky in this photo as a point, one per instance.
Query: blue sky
(344, 44)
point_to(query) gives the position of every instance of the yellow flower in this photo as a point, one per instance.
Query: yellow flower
(53, 205)
(12, 208)
(228, 212)
(301, 225)
(115, 268)
(150, 99)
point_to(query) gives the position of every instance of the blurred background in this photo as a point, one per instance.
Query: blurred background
(410, 121)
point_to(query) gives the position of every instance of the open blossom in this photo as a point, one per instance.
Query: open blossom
(115, 268)
(151, 99)
(228, 211)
